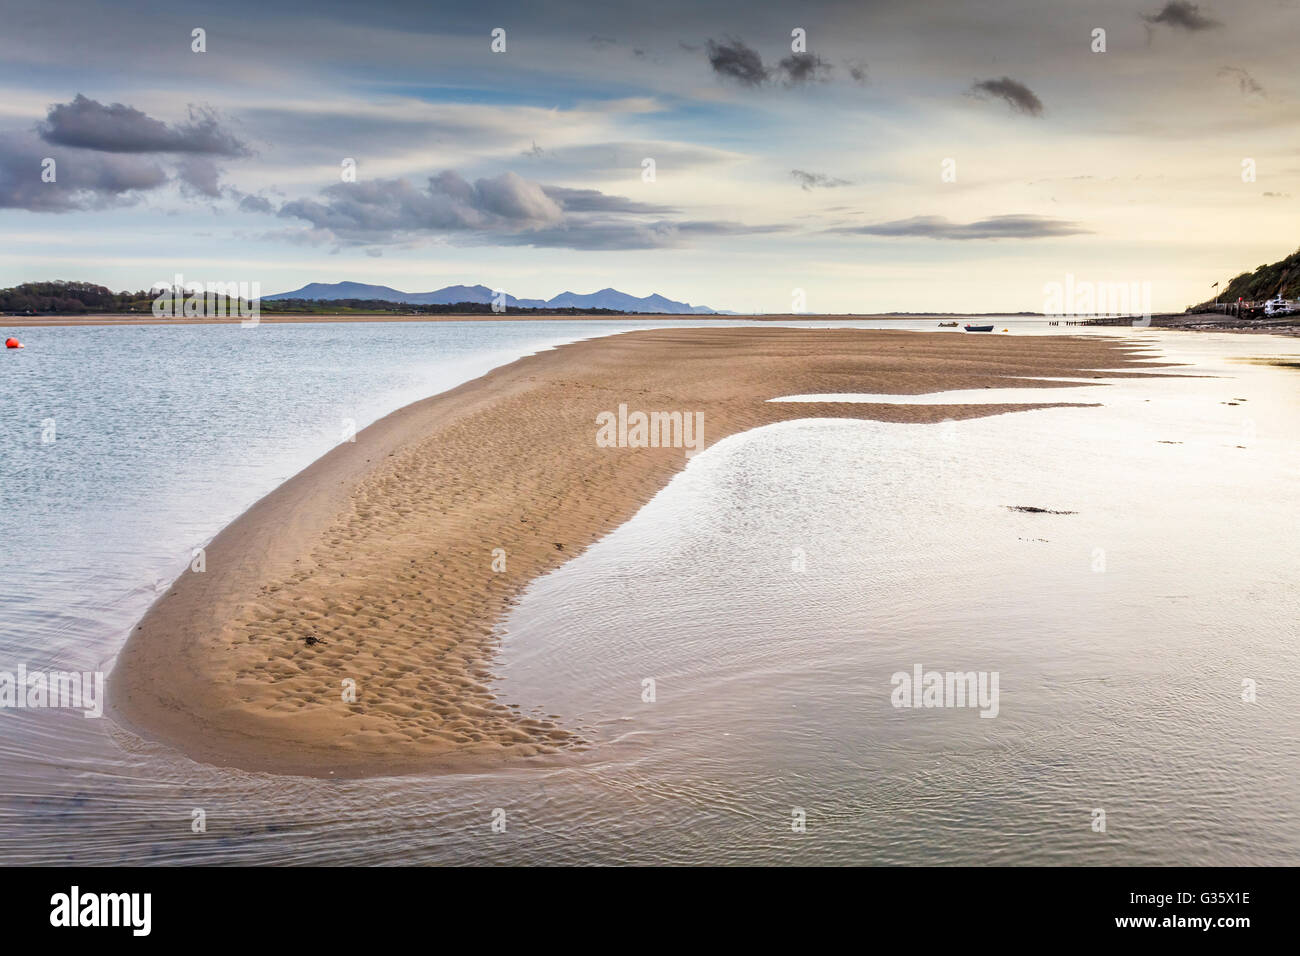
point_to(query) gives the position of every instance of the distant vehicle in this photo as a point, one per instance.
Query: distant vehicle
(978, 328)
(1279, 306)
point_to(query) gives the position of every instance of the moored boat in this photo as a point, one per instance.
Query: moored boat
(1278, 306)
(978, 328)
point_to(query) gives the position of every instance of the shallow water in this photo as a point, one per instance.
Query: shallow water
(770, 592)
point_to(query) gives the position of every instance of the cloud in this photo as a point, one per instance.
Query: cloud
(117, 128)
(1183, 15)
(1018, 96)
(383, 207)
(593, 200)
(199, 175)
(814, 180)
(733, 60)
(1245, 82)
(502, 210)
(111, 154)
(607, 235)
(800, 68)
(508, 196)
(82, 180)
(994, 227)
(858, 72)
(619, 159)
(256, 204)
(306, 236)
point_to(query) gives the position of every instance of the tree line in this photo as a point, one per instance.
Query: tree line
(79, 298)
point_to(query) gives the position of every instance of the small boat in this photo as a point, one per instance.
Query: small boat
(947, 325)
(1278, 306)
(978, 328)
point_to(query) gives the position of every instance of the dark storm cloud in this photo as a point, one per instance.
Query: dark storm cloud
(994, 227)
(808, 180)
(118, 128)
(1245, 82)
(82, 180)
(1018, 96)
(799, 68)
(733, 60)
(1182, 14)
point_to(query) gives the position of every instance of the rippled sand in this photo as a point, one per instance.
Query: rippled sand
(375, 565)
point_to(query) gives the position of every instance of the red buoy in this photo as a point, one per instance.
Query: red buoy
(13, 344)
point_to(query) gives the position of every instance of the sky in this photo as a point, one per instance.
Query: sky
(848, 157)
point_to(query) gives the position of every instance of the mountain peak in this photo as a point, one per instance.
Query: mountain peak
(607, 298)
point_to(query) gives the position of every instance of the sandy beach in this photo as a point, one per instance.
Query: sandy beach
(374, 569)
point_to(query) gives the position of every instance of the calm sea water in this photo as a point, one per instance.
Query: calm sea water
(769, 593)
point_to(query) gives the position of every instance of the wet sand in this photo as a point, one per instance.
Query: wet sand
(375, 565)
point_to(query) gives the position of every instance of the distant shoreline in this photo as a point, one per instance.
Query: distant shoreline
(1185, 321)
(282, 318)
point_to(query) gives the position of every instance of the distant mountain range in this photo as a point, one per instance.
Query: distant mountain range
(481, 294)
